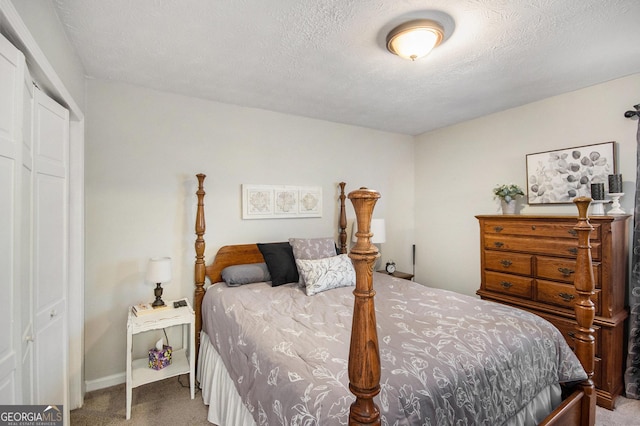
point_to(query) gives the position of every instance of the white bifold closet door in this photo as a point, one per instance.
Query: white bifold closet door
(34, 239)
(12, 68)
(50, 249)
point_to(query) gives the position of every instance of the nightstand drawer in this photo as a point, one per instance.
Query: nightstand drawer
(512, 285)
(559, 269)
(563, 295)
(513, 263)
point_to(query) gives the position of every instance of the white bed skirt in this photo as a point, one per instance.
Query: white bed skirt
(226, 407)
(218, 391)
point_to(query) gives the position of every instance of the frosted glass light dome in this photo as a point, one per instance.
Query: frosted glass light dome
(415, 39)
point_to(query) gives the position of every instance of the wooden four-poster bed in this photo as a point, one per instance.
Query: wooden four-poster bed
(438, 361)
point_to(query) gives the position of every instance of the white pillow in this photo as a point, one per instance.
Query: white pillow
(325, 274)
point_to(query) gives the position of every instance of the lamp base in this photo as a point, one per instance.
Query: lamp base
(158, 293)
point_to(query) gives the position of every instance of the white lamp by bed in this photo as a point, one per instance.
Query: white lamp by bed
(378, 230)
(158, 272)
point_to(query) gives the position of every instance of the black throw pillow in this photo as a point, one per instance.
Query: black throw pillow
(280, 262)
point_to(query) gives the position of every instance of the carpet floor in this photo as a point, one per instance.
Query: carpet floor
(168, 403)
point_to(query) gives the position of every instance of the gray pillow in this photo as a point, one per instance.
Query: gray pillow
(237, 275)
(312, 249)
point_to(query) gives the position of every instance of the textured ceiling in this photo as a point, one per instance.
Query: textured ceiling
(326, 58)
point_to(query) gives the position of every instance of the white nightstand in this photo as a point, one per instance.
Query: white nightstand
(183, 360)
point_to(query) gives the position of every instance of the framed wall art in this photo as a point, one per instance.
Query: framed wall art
(557, 177)
(281, 201)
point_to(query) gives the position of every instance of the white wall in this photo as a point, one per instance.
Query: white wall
(143, 151)
(457, 167)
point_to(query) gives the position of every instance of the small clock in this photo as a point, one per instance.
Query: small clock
(391, 267)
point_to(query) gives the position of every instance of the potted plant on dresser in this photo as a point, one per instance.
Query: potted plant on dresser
(508, 195)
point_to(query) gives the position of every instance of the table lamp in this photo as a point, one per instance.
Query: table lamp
(158, 272)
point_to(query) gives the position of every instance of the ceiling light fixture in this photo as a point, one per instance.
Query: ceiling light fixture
(415, 39)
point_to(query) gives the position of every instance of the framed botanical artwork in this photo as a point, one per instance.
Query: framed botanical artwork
(557, 177)
(281, 201)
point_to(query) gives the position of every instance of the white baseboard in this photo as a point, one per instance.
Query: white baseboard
(105, 382)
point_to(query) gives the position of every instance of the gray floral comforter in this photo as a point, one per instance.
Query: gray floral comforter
(446, 358)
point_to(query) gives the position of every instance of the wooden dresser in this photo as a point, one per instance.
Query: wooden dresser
(529, 262)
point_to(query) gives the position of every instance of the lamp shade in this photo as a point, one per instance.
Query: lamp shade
(377, 229)
(159, 270)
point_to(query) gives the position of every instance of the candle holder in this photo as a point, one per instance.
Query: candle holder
(597, 207)
(615, 203)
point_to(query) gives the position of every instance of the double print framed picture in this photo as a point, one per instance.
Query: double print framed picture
(557, 177)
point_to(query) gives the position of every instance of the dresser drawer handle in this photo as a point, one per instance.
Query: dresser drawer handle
(573, 232)
(498, 228)
(506, 284)
(505, 262)
(533, 227)
(566, 272)
(498, 244)
(566, 297)
(573, 250)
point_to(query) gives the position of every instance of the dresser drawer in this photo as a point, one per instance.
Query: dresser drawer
(560, 269)
(549, 246)
(536, 228)
(597, 372)
(563, 295)
(511, 285)
(513, 263)
(568, 330)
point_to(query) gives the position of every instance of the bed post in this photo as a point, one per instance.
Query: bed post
(364, 355)
(343, 221)
(585, 310)
(200, 267)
